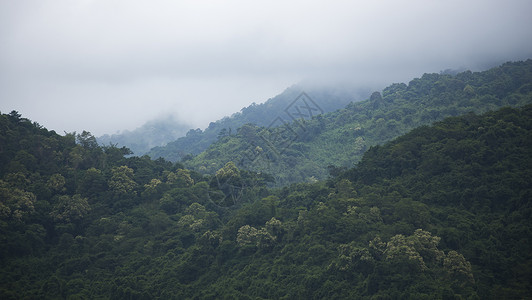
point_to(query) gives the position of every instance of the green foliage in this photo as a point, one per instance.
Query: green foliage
(196, 141)
(441, 212)
(121, 182)
(70, 209)
(302, 151)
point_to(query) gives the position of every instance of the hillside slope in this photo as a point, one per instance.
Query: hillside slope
(265, 114)
(440, 213)
(302, 151)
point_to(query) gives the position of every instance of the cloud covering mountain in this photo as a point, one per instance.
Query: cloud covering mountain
(104, 66)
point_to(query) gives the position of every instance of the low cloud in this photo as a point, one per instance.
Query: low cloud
(104, 66)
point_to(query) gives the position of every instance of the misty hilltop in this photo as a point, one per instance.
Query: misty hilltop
(396, 165)
(264, 114)
(69, 61)
(442, 212)
(307, 149)
(153, 133)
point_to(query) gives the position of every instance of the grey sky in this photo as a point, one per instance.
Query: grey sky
(108, 65)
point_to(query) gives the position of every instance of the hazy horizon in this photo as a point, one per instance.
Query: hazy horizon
(108, 66)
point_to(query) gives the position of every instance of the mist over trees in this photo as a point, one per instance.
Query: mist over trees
(264, 114)
(306, 149)
(441, 211)
(152, 134)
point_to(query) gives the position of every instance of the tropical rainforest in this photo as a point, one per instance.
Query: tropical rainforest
(425, 207)
(304, 150)
(196, 140)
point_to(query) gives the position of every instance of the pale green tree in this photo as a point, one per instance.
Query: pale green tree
(121, 182)
(274, 227)
(196, 209)
(56, 182)
(401, 249)
(14, 202)
(171, 177)
(70, 209)
(264, 239)
(184, 178)
(261, 238)
(247, 235)
(229, 181)
(191, 223)
(228, 172)
(458, 268)
(427, 245)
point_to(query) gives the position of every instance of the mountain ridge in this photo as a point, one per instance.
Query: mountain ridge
(442, 212)
(156, 132)
(264, 114)
(303, 150)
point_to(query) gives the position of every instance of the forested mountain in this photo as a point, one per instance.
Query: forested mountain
(153, 133)
(328, 99)
(66, 203)
(442, 212)
(303, 150)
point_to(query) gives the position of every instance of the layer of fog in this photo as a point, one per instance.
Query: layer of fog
(105, 66)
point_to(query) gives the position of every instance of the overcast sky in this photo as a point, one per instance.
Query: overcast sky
(109, 65)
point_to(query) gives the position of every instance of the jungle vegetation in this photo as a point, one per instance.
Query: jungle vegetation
(441, 212)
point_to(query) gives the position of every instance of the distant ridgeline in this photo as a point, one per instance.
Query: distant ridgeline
(442, 212)
(308, 150)
(152, 134)
(264, 114)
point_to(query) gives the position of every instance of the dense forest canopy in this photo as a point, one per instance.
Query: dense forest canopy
(303, 150)
(264, 114)
(441, 212)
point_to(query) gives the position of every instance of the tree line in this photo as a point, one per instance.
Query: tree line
(441, 212)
